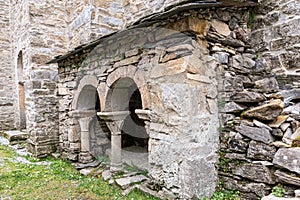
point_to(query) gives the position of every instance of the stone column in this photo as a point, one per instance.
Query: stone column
(114, 121)
(84, 118)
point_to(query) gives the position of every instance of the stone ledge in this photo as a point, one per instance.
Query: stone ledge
(14, 137)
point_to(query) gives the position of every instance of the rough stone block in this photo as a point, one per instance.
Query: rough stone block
(288, 158)
(255, 172)
(260, 151)
(258, 134)
(267, 85)
(248, 97)
(260, 189)
(267, 112)
(288, 178)
(221, 27)
(14, 136)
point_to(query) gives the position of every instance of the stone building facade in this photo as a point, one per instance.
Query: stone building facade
(207, 90)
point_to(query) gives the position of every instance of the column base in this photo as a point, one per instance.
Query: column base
(85, 157)
(116, 168)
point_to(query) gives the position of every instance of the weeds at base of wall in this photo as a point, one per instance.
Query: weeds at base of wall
(223, 194)
(278, 191)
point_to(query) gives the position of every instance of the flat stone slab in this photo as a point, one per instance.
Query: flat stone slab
(288, 158)
(287, 178)
(127, 181)
(106, 175)
(266, 112)
(255, 133)
(14, 136)
(255, 172)
(272, 197)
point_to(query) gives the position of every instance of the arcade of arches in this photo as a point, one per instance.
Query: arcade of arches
(141, 108)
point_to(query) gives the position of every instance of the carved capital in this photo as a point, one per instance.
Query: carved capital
(114, 120)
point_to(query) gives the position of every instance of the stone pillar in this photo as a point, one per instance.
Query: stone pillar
(114, 121)
(84, 118)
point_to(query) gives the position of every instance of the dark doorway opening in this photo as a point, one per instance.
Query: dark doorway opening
(21, 89)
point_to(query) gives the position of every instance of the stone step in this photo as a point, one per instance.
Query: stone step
(127, 181)
(14, 137)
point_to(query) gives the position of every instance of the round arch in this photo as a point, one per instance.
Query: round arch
(122, 79)
(124, 95)
(86, 89)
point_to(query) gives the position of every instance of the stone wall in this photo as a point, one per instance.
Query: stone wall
(177, 79)
(259, 140)
(253, 74)
(7, 90)
(37, 35)
(89, 20)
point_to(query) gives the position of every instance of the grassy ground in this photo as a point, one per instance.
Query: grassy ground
(58, 180)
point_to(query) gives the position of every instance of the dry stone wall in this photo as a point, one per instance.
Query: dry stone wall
(91, 20)
(259, 140)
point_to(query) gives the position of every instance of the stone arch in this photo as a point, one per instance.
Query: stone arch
(93, 130)
(121, 78)
(128, 132)
(87, 86)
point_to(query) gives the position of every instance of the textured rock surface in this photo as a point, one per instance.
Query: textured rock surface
(260, 151)
(260, 189)
(288, 158)
(258, 134)
(8, 95)
(287, 178)
(269, 111)
(247, 96)
(14, 136)
(263, 127)
(255, 172)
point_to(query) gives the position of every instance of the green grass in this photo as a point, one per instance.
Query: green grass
(58, 180)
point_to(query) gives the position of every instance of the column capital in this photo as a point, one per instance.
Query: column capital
(114, 120)
(84, 118)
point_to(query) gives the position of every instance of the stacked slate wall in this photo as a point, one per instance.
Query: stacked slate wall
(259, 102)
